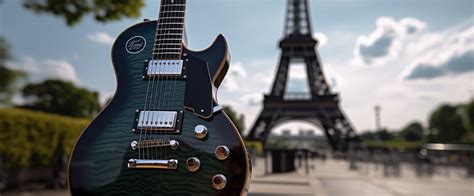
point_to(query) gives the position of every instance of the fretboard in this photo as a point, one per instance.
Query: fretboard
(170, 30)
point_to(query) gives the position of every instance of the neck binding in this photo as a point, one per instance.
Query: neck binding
(170, 30)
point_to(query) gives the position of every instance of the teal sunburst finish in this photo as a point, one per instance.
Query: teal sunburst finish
(98, 165)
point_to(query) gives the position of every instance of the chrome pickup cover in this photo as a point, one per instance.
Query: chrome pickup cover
(157, 120)
(164, 68)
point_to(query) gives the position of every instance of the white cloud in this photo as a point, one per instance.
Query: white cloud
(385, 42)
(297, 71)
(322, 39)
(101, 38)
(236, 73)
(46, 69)
(362, 87)
(238, 70)
(453, 55)
(252, 99)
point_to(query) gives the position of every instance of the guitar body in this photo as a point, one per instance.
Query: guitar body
(98, 165)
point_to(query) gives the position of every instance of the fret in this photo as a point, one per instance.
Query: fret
(167, 56)
(168, 53)
(173, 8)
(184, 5)
(169, 34)
(171, 23)
(170, 26)
(169, 39)
(164, 38)
(168, 21)
(161, 46)
(173, 1)
(180, 17)
(174, 18)
(172, 14)
(166, 32)
(171, 29)
(175, 11)
(168, 44)
(168, 49)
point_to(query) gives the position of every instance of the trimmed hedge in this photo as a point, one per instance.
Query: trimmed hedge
(395, 144)
(30, 139)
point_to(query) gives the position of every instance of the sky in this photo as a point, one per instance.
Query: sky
(408, 56)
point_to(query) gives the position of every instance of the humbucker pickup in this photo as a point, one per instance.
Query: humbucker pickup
(159, 121)
(170, 69)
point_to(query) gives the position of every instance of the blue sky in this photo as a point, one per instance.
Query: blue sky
(408, 56)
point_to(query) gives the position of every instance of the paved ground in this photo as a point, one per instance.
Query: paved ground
(333, 178)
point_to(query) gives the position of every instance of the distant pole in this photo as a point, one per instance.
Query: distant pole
(377, 109)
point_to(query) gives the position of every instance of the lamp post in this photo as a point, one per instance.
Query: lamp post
(377, 110)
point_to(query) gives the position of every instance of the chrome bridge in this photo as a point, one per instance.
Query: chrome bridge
(170, 69)
(152, 164)
(154, 143)
(158, 121)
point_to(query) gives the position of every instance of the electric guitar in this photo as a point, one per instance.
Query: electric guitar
(163, 133)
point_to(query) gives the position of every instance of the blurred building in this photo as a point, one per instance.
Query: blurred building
(302, 139)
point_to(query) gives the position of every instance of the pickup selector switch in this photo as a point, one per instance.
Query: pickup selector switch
(219, 181)
(200, 131)
(222, 152)
(193, 164)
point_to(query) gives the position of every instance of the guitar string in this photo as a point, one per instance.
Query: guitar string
(165, 82)
(171, 56)
(165, 77)
(169, 78)
(143, 120)
(165, 55)
(180, 56)
(162, 68)
(153, 78)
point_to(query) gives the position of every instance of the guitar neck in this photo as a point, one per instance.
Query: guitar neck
(170, 30)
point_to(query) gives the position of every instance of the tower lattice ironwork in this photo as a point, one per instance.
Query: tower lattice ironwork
(319, 106)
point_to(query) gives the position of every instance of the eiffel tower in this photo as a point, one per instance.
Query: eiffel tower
(320, 106)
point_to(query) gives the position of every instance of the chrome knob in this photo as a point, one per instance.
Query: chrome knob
(222, 152)
(134, 145)
(172, 163)
(200, 131)
(174, 144)
(193, 164)
(219, 181)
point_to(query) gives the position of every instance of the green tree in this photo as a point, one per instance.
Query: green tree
(74, 10)
(412, 132)
(368, 135)
(8, 77)
(466, 112)
(239, 120)
(60, 97)
(446, 122)
(384, 135)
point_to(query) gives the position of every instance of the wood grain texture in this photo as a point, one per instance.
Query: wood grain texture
(98, 165)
